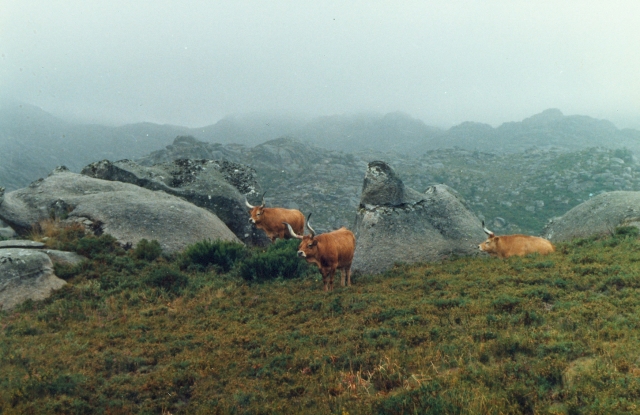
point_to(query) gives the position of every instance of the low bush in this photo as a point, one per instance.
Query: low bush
(627, 232)
(147, 250)
(169, 279)
(94, 246)
(219, 254)
(280, 260)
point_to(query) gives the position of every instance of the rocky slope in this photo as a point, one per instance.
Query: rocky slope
(517, 192)
(293, 174)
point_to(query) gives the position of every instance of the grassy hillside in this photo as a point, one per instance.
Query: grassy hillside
(136, 333)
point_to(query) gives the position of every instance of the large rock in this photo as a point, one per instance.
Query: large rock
(218, 186)
(404, 225)
(599, 215)
(25, 274)
(5, 231)
(127, 212)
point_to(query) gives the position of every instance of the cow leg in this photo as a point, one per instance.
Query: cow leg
(330, 272)
(343, 275)
(347, 271)
(325, 280)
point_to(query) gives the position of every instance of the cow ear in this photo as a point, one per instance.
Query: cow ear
(314, 243)
(495, 238)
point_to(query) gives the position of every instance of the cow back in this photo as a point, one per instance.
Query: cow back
(274, 217)
(520, 245)
(337, 247)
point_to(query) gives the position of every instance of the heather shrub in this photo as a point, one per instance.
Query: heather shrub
(219, 254)
(169, 279)
(280, 260)
(147, 250)
(94, 246)
(627, 232)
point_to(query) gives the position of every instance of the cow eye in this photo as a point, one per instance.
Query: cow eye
(310, 245)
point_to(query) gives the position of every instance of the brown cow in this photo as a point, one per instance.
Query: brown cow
(329, 251)
(270, 220)
(510, 245)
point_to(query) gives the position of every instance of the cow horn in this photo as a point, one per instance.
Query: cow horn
(249, 205)
(313, 233)
(263, 202)
(487, 231)
(291, 232)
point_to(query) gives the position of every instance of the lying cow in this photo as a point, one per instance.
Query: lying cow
(329, 251)
(270, 220)
(510, 245)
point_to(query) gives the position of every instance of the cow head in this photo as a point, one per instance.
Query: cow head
(256, 212)
(308, 247)
(491, 244)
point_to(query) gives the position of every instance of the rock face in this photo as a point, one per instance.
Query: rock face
(404, 225)
(382, 186)
(25, 274)
(5, 230)
(599, 215)
(218, 186)
(127, 212)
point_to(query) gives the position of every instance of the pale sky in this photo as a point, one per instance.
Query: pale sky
(192, 63)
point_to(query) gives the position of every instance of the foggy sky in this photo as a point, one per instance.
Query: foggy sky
(193, 62)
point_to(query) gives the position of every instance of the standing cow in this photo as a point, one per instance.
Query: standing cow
(270, 220)
(329, 251)
(510, 245)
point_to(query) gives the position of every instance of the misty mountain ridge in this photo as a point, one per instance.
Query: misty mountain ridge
(33, 142)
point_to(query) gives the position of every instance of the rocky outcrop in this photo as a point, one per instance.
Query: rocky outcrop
(64, 257)
(127, 212)
(5, 231)
(218, 186)
(599, 215)
(25, 274)
(295, 175)
(395, 223)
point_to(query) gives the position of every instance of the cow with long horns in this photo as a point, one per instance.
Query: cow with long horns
(270, 220)
(514, 245)
(329, 251)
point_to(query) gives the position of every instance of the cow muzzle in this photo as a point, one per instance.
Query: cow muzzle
(301, 254)
(251, 220)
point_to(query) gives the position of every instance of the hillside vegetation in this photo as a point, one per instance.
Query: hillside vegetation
(520, 192)
(139, 332)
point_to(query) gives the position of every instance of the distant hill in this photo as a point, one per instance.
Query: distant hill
(548, 129)
(33, 142)
(349, 133)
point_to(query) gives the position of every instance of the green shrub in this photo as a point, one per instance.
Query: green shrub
(221, 254)
(166, 278)
(68, 271)
(147, 250)
(92, 246)
(627, 232)
(280, 260)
